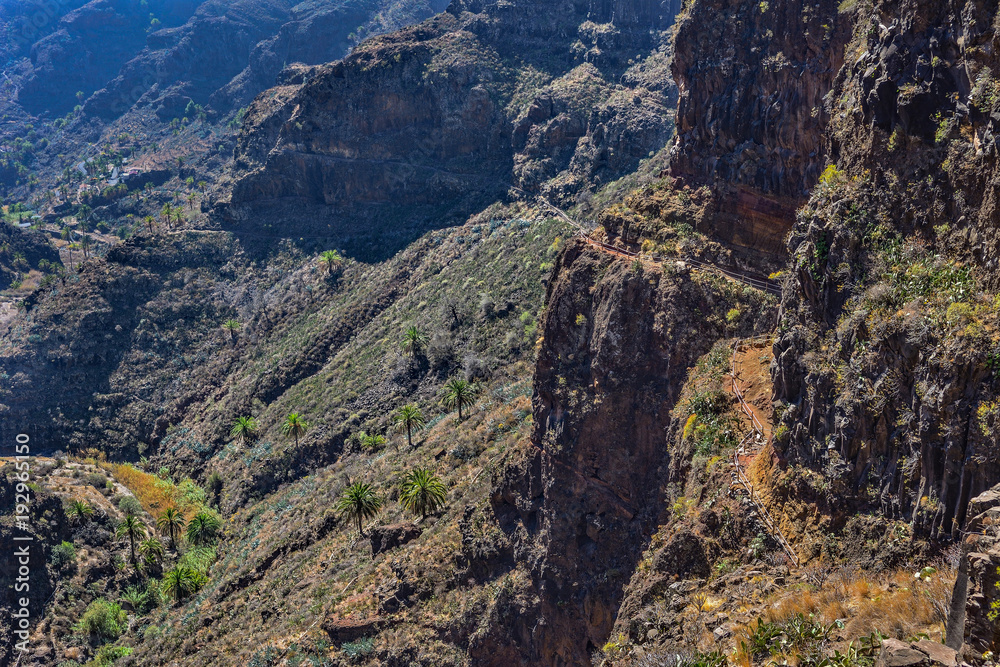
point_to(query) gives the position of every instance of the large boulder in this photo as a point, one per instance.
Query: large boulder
(923, 653)
(385, 538)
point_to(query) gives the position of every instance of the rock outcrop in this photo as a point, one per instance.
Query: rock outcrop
(903, 408)
(164, 54)
(923, 653)
(583, 500)
(751, 116)
(424, 127)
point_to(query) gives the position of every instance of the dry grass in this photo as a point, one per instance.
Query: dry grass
(154, 494)
(897, 605)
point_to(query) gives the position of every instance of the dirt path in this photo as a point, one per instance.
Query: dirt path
(751, 281)
(753, 376)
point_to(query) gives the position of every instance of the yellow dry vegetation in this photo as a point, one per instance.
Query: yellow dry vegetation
(153, 493)
(897, 605)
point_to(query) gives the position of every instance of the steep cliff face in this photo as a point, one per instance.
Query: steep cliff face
(886, 358)
(436, 121)
(751, 115)
(90, 46)
(581, 505)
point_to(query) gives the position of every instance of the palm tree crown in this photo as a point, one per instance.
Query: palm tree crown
(422, 492)
(171, 522)
(459, 393)
(232, 326)
(203, 528)
(132, 528)
(244, 429)
(151, 550)
(79, 510)
(409, 418)
(294, 427)
(359, 502)
(332, 259)
(371, 441)
(414, 340)
(182, 581)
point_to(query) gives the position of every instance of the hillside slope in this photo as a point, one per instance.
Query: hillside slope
(606, 498)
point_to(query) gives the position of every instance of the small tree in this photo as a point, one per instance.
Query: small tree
(132, 528)
(422, 492)
(409, 418)
(459, 393)
(172, 523)
(359, 502)
(80, 511)
(232, 326)
(294, 427)
(244, 429)
(129, 506)
(203, 528)
(414, 340)
(332, 259)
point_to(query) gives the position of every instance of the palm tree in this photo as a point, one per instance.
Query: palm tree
(407, 418)
(244, 429)
(294, 426)
(80, 511)
(359, 502)
(85, 243)
(232, 326)
(181, 582)
(132, 528)
(151, 550)
(166, 212)
(458, 393)
(414, 340)
(203, 528)
(422, 492)
(149, 222)
(67, 235)
(371, 442)
(171, 522)
(332, 259)
(190, 199)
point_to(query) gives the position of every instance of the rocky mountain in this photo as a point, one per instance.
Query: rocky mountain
(716, 282)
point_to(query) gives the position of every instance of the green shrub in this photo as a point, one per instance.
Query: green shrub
(103, 619)
(713, 428)
(95, 480)
(108, 655)
(63, 555)
(958, 314)
(136, 597)
(129, 506)
(358, 648)
(831, 175)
